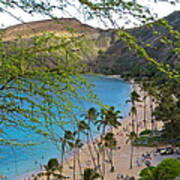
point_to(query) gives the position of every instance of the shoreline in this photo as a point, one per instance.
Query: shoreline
(123, 155)
(86, 162)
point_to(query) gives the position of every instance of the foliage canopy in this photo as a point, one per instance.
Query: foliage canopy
(167, 169)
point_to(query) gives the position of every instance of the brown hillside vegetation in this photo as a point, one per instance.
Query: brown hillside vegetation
(97, 38)
(66, 25)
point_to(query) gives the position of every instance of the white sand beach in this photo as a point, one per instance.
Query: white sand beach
(121, 155)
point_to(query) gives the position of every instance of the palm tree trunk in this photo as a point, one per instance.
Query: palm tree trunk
(89, 142)
(62, 158)
(151, 112)
(137, 124)
(97, 154)
(133, 126)
(110, 157)
(131, 156)
(112, 163)
(96, 151)
(153, 118)
(48, 176)
(98, 160)
(145, 123)
(103, 155)
(78, 156)
(91, 152)
(172, 126)
(79, 162)
(74, 165)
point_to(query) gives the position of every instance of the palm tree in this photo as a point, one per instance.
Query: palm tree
(151, 108)
(134, 98)
(131, 138)
(52, 169)
(144, 106)
(108, 118)
(90, 174)
(133, 116)
(91, 114)
(72, 139)
(144, 119)
(152, 92)
(85, 128)
(68, 140)
(110, 143)
(91, 118)
(82, 127)
(77, 146)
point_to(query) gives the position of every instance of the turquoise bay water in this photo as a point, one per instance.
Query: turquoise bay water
(17, 161)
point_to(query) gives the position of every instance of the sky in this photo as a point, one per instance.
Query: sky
(161, 8)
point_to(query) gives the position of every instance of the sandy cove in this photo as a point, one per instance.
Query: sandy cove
(121, 157)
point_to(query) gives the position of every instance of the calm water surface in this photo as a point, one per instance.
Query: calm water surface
(18, 161)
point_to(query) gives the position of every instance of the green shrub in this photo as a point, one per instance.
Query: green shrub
(168, 169)
(145, 132)
(177, 144)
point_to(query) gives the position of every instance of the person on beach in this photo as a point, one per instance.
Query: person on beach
(147, 163)
(126, 177)
(119, 147)
(138, 162)
(141, 159)
(118, 176)
(132, 178)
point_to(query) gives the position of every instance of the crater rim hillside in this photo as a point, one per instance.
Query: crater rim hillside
(99, 39)
(118, 58)
(111, 56)
(62, 25)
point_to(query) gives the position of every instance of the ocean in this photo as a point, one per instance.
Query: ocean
(16, 161)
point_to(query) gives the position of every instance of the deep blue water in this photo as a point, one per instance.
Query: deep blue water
(18, 161)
